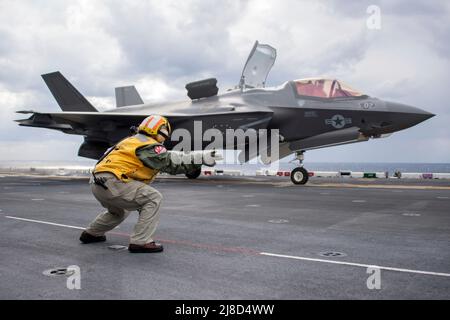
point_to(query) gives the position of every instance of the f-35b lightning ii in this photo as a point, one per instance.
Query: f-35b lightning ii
(309, 113)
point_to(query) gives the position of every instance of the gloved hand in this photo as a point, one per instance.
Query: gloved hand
(206, 157)
(209, 158)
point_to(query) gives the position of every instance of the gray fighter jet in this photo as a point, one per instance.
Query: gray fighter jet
(309, 113)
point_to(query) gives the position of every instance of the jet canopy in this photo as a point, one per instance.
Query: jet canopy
(324, 88)
(258, 65)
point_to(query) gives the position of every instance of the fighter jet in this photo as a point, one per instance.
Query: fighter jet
(309, 113)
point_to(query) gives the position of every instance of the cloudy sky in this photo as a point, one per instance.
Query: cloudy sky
(159, 46)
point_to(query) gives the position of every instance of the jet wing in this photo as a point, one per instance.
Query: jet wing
(81, 122)
(103, 126)
(103, 129)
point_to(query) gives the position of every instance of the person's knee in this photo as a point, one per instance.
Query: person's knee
(150, 210)
(117, 212)
(149, 196)
(158, 197)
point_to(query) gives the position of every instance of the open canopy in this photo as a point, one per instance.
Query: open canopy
(259, 62)
(325, 88)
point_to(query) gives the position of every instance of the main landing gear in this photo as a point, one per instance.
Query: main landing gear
(299, 175)
(194, 175)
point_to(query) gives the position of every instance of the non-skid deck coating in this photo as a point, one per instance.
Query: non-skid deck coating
(233, 238)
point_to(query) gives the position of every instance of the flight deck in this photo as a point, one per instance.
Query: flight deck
(233, 238)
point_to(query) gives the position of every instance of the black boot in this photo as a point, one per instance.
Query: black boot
(89, 238)
(146, 248)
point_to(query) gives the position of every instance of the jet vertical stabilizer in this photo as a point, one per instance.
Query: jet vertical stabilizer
(127, 96)
(68, 98)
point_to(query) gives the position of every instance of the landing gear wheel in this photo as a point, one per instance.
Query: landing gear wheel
(299, 175)
(195, 174)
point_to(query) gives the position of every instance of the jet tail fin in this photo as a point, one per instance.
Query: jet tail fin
(67, 96)
(127, 96)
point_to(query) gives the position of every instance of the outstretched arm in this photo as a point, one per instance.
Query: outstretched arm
(157, 157)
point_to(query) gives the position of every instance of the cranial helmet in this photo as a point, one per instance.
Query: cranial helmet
(154, 125)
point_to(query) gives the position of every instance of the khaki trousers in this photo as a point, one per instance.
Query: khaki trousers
(119, 199)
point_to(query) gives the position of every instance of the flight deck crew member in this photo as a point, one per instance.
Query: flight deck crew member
(121, 180)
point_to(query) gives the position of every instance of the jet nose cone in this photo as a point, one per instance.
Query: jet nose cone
(420, 114)
(427, 115)
(407, 116)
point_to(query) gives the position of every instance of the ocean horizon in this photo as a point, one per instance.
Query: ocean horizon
(311, 166)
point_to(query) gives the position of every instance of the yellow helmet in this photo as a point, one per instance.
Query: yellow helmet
(154, 125)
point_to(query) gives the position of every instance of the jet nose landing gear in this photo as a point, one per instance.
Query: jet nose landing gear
(299, 175)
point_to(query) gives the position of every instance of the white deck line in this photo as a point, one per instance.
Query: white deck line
(276, 255)
(356, 264)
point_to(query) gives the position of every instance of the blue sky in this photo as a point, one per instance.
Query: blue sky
(159, 46)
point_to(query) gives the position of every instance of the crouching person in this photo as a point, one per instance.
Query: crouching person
(121, 179)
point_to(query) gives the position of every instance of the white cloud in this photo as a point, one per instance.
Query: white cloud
(153, 89)
(102, 103)
(10, 102)
(68, 38)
